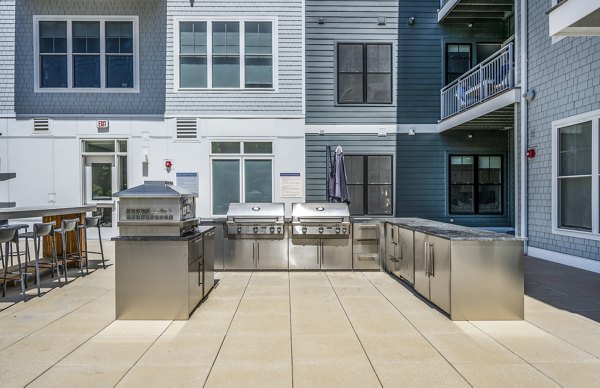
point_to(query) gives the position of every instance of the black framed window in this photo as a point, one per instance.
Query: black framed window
(486, 50)
(370, 184)
(458, 60)
(476, 184)
(364, 73)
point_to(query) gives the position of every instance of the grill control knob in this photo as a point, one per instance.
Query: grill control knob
(320, 229)
(279, 229)
(272, 229)
(337, 230)
(344, 230)
(255, 229)
(239, 229)
(304, 229)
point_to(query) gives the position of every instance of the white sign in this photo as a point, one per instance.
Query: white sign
(188, 181)
(290, 184)
(102, 124)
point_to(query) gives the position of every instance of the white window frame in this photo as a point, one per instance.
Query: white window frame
(242, 157)
(594, 117)
(88, 18)
(209, 52)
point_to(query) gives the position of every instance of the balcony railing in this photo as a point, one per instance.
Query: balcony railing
(491, 77)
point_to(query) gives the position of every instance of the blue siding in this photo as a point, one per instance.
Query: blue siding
(7, 58)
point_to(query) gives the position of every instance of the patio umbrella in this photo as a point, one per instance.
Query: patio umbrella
(338, 184)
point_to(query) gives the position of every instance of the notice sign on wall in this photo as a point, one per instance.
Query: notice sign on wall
(188, 181)
(291, 184)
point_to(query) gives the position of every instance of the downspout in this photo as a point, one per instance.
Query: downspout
(524, 127)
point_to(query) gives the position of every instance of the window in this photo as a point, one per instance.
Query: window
(458, 61)
(364, 73)
(485, 50)
(225, 54)
(476, 184)
(241, 172)
(370, 184)
(576, 176)
(86, 54)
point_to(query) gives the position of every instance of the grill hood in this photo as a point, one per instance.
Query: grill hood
(155, 189)
(319, 212)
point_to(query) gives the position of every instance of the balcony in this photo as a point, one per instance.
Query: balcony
(486, 93)
(575, 18)
(474, 9)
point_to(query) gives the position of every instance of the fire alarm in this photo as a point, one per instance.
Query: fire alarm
(168, 165)
(531, 153)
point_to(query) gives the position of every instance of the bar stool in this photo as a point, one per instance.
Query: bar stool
(92, 222)
(42, 230)
(18, 227)
(66, 227)
(9, 236)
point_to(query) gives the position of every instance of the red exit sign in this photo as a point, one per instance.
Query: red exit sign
(102, 124)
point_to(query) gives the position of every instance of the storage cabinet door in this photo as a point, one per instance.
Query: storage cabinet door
(407, 270)
(336, 253)
(239, 253)
(439, 272)
(390, 248)
(209, 261)
(304, 253)
(272, 254)
(421, 278)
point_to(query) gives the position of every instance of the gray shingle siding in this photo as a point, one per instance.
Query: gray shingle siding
(7, 57)
(152, 28)
(288, 100)
(566, 78)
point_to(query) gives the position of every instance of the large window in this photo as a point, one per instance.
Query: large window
(576, 176)
(225, 55)
(458, 61)
(86, 54)
(241, 172)
(476, 184)
(370, 184)
(364, 73)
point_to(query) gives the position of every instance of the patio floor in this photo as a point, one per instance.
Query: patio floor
(310, 329)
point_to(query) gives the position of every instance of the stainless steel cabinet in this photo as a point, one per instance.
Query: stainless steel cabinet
(305, 253)
(365, 246)
(405, 254)
(336, 253)
(320, 253)
(432, 269)
(258, 253)
(392, 264)
(208, 267)
(271, 254)
(239, 253)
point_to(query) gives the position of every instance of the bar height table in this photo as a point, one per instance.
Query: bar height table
(49, 214)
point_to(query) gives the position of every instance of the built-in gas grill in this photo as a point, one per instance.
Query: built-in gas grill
(321, 236)
(156, 208)
(256, 237)
(324, 220)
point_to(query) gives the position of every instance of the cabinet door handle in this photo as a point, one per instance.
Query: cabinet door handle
(400, 246)
(258, 252)
(253, 252)
(431, 260)
(426, 258)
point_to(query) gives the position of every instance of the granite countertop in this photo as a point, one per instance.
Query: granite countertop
(450, 231)
(40, 211)
(200, 230)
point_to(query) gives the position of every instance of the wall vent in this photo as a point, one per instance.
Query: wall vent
(41, 125)
(187, 128)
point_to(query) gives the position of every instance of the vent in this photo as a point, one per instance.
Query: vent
(186, 128)
(41, 125)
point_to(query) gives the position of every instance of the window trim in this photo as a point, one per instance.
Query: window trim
(366, 184)
(91, 18)
(241, 157)
(446, 57)
(392, 102)
(209, 52)
(476, 184)
(594, 117)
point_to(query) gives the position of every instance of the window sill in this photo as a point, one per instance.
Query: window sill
(225, 90)
(576, 233)
(390, 105)
(88, 90)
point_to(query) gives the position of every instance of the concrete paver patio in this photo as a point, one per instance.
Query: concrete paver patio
(310, 329)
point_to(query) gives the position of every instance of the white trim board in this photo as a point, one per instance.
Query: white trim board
(562, 258)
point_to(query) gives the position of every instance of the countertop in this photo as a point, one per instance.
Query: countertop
(449, 231)
(199, 231)
(40, 211)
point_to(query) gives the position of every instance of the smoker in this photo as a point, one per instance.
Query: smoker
(164, 262)
(321, 236)
(256, 237)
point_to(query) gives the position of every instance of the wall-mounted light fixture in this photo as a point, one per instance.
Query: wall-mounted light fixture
(321, 20)
(529, 95)
(411, 132)
(470, 25)
(191, 3)
(381, 20)
(411, 21)
(469, 136)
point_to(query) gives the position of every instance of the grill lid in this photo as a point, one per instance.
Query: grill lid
(155, 189)
(255, 212)
(320, 212)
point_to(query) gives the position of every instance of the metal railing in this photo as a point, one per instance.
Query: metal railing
(493, 76)
(442, 3)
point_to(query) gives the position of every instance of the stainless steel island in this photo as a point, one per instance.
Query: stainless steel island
(469, 273)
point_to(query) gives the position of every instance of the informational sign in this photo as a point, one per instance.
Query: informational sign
(290, 184)
(102, 124)
(188, 181)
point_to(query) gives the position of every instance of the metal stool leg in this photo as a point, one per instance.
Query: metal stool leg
(64, 247)
(36, 243)
(101, 248)
(5, 265)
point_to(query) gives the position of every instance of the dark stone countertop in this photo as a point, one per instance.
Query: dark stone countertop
(449, 231)
(200, 230)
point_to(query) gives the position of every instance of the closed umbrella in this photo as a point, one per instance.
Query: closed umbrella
(338, 184)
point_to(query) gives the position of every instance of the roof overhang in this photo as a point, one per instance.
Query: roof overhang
(470, 10)
(575, 18)
(494, 113)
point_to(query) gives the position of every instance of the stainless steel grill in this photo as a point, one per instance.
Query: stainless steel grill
(156, 208)
(251, 219)
(325, 220)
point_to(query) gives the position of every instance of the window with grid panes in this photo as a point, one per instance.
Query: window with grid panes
(476, 184)
(370, 184)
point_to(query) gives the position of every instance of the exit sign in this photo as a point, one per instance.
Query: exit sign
(102, 124)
